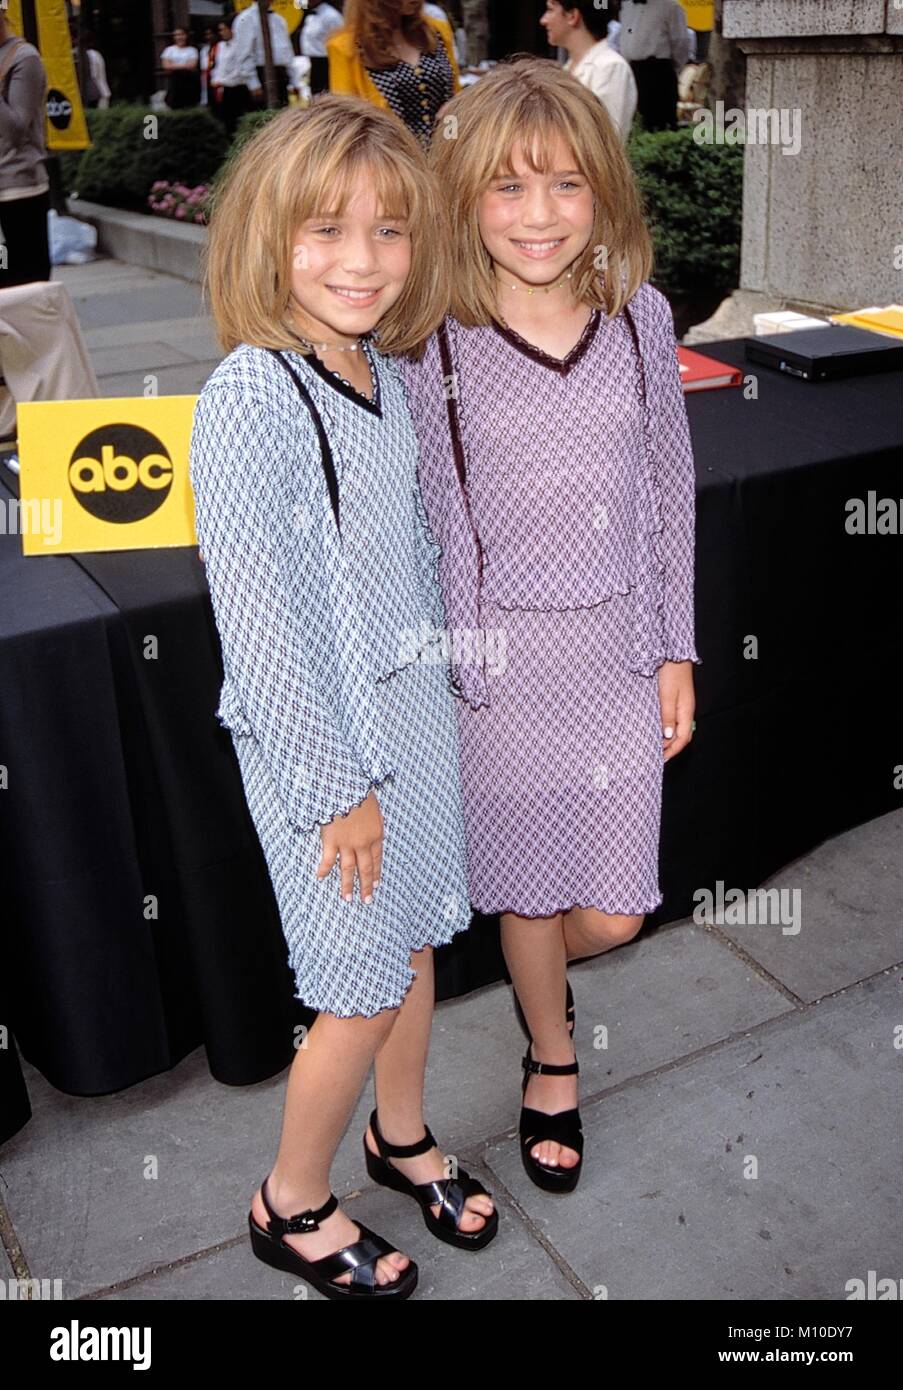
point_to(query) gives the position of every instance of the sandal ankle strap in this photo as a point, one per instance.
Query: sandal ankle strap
(302, 1221)
(388, 1150)
(549, 1068)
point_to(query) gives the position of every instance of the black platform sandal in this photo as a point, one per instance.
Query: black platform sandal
(359, 1257)
(450, 1193)
(563, 1127)
(570, 1013)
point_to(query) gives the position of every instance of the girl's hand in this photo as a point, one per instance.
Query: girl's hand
(356, 840)
(678, 702)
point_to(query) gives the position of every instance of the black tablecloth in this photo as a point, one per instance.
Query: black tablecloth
(138, 918)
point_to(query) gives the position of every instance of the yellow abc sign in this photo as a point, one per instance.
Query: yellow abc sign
(113, 471)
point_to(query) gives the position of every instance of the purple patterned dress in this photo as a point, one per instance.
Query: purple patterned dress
(561, 493)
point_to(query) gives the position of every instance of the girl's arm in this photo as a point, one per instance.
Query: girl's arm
(236, 453)
(676, 479)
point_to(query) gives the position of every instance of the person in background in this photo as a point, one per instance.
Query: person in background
(654, 40)
(24, 186)
(249, 57)
(322, 19)
(581, 29)
(207, 60)
(614, 39)
(95, 89)
(229, 92)
(391, 54)
(701, 20)
(181, 63)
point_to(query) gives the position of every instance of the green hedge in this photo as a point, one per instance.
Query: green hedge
(124, 161)
(693, 197)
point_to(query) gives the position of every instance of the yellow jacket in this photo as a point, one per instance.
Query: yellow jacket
(348, 74)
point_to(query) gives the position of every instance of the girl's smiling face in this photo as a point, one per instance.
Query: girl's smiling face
(348, 269)
(535, 224)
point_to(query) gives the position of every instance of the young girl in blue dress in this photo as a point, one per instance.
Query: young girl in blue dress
(326, 255)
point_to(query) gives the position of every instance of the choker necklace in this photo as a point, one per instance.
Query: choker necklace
(328, 347)
(542, 289)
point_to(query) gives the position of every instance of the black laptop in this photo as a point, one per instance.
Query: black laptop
(824, 354)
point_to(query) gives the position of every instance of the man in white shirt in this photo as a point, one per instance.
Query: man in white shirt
(247, 37)
(229, 94)
(580, 28)
(321, 20)
(654, 40)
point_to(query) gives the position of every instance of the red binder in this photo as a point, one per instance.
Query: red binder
(700, 373)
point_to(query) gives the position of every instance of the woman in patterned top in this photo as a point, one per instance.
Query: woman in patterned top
(393, 55)
(322, 573)
(557, 474)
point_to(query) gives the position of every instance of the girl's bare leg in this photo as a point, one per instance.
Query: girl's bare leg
(324, 1083)
(588, 932)
(400, 1066)
(534, 951)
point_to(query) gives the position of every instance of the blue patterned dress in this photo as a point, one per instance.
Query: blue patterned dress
(335, 677)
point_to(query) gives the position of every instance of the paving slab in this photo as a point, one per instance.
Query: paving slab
(183, 379)
(766, 1169)
(94, 1152)
(166, 299)
(514, 1266)
(189, 334)
(850, 897)
(143, 357)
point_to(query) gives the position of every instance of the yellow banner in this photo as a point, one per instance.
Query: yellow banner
(66, 125)
(105, 474)
(292, 11)
(700, 14)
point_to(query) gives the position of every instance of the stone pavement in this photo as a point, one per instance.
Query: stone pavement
(742, 1122)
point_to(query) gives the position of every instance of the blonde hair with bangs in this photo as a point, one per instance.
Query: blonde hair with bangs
(308, 162)
(530, 101)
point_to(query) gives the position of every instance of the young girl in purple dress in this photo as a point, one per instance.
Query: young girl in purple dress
(557, 474)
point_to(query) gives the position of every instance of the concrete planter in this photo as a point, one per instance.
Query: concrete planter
(139, 238)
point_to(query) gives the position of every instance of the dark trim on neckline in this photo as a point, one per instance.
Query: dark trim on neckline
(557, 364)
(351, 392)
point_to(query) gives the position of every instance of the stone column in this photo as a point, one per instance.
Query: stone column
(824, 226)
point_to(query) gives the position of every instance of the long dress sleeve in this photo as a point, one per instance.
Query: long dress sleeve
(236, 453)
(675, 477)
(448, 515)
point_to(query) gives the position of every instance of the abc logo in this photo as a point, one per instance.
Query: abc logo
(120, 473)
(59, 109)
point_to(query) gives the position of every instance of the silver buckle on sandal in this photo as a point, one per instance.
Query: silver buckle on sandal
(298, 1225)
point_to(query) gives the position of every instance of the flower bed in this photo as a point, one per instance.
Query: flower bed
(179, 200)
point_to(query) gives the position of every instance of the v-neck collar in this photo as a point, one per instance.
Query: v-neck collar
(557, 364)
(345, 388)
